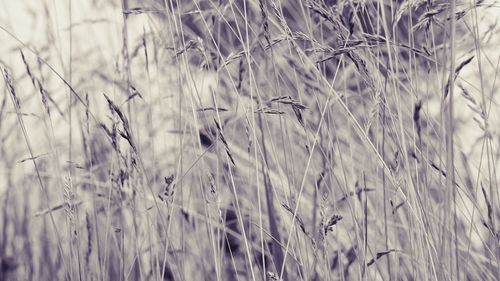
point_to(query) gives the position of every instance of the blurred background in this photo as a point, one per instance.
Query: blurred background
(249, 140)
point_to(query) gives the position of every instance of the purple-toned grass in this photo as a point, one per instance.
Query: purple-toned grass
(249, 140)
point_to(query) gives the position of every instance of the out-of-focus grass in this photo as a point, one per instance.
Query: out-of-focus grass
(249, 140)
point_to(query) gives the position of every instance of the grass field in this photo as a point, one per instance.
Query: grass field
(249, 140)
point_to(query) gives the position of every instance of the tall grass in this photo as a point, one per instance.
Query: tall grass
(249, 140)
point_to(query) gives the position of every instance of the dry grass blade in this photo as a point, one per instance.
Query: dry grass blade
(298, 218)
(32, 158)
(126, 133)
(223, 139)
(456, 73)
(379, 255)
